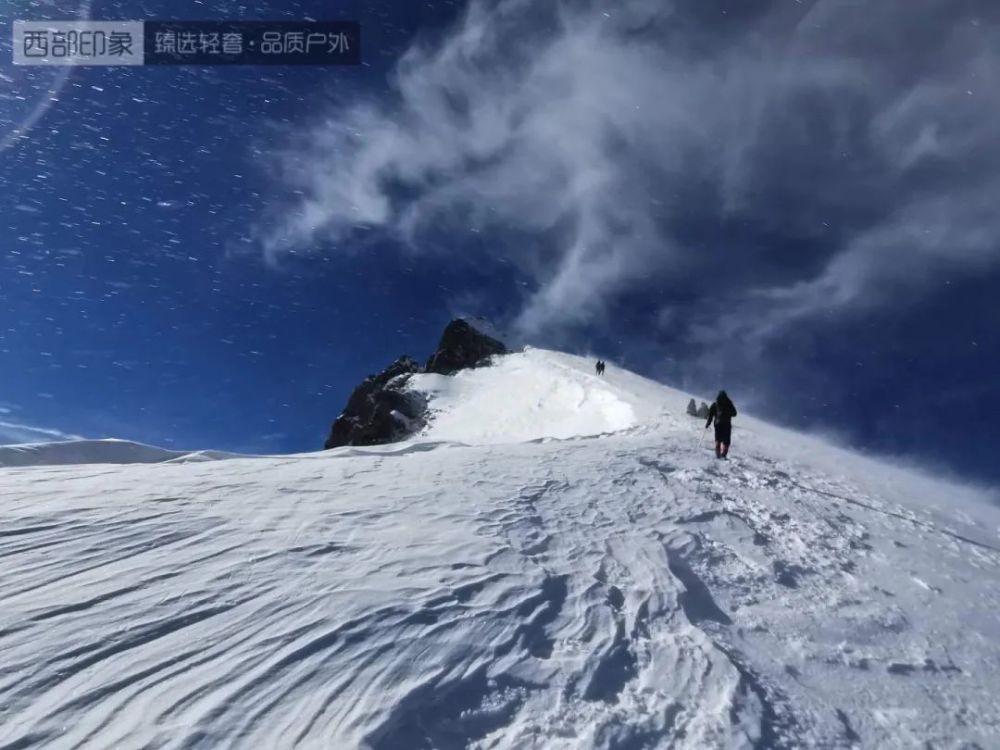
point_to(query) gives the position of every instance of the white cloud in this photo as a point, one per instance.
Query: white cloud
(606, 132)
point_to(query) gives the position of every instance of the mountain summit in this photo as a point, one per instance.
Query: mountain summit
(462, 346)
(382, 410)
(554, 560)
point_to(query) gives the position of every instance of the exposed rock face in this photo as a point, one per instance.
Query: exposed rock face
(381, 410)
(461, 347)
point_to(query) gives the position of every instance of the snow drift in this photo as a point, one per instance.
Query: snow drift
(533, 395)
(557, 562)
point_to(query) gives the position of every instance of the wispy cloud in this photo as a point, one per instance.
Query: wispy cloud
(17, 432)
(782, 160)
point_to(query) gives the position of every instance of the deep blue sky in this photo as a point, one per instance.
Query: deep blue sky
(726, 195)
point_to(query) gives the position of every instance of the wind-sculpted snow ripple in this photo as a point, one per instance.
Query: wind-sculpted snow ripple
(615, 592)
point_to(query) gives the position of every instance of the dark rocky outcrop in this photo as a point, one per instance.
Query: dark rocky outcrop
(379, 410)
(461, 347)
(382, 410)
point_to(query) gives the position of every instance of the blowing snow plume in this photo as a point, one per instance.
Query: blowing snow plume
(805, 147)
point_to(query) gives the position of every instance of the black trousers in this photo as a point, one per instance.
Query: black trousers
(723, 432)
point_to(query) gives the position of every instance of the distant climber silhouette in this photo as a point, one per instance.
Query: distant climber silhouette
(722, 413)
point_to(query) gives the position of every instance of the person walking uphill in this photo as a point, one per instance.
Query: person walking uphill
(722, 413)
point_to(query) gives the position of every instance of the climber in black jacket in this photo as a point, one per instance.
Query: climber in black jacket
(722, 413)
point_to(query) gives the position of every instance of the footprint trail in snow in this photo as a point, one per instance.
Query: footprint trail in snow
(611, 591)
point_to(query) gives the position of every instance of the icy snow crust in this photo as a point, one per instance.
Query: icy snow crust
(618, 591)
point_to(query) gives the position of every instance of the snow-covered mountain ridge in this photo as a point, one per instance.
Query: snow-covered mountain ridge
(105, 451)
(557, 561)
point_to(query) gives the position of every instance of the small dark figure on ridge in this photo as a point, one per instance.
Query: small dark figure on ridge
(600, 367)
(722, 413)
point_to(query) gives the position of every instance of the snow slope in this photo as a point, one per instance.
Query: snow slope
(491, 585)
(537, 394)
